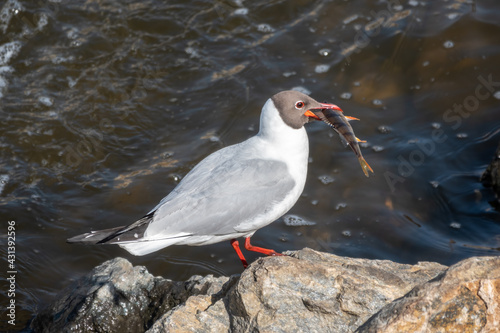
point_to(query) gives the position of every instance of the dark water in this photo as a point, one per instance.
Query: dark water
(105, 105)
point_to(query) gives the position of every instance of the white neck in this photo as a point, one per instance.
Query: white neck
(281, 142)
(273, 128)
(290, 145)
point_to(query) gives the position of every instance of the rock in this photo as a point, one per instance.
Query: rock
(201, 313)
(491, 176)
(116, 297)
(465, 298)
(314, 292)
(306, 291)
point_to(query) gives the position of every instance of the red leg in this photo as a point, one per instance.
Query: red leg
(236, 247)
(268, 252)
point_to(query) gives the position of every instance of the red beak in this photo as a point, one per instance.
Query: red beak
(311, 114)
(328, 106)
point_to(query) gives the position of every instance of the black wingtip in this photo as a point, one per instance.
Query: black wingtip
(133, 231)
(93, 237)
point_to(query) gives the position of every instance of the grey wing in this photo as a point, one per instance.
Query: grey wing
(217, 198)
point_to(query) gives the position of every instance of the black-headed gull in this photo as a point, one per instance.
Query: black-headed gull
(234, 191)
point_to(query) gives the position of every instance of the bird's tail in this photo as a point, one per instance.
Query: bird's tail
(94, 237)
(132, 232)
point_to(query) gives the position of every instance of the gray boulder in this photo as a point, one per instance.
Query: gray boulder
(464, 298)
(117, 297)
(307, 291)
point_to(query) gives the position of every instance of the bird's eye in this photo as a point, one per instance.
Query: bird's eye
(299, 105)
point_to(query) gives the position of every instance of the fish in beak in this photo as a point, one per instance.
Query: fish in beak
(335, 118)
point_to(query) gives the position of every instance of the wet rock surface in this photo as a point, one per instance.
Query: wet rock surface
(117, 297)
(491, 176)
(306, 291)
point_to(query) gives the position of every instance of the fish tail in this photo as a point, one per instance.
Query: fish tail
(359, 140)
(364, 166)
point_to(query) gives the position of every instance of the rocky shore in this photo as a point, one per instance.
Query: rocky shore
(307, 291)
